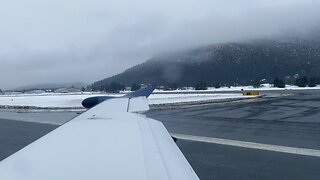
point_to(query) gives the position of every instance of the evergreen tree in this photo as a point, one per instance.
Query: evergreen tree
(173, 86)
(312, 82)
(115, 87)
(278, 83)
(256, 83)
(302, 82)
(135, 87)
(201, 86)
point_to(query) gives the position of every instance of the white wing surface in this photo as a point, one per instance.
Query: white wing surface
(109, 141)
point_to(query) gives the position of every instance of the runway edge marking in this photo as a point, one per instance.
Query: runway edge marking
(251, 145)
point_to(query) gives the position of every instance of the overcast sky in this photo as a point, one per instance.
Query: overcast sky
(58, 41)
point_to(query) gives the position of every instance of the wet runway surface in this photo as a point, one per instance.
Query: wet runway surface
(288, 121)
(212, 161)
(15, 135)
(292, 121)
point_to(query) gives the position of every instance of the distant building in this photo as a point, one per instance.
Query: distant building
(12, 93)
(35, 92)
(161, 87)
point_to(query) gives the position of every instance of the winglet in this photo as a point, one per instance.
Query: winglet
(92, 101)
(141, 92)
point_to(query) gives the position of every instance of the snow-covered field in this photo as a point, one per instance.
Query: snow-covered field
(46, 100)
(74, 100)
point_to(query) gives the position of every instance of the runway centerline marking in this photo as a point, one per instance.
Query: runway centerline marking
(251, 145)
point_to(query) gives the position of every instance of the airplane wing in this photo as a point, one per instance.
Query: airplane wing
(109, 141)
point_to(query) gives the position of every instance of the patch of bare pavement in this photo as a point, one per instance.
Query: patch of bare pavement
(15, 135)
(266, 138)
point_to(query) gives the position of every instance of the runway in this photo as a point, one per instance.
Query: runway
(250, 145)
(292, 121)
(270, 138)
(15, 135)
(214, 161)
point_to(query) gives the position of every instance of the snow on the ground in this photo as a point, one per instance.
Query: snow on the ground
(183, 98)
(46, 101)
(263, 87)
(74, 101)
(266, 87)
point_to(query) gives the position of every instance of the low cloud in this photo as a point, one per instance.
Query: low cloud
(84, 41)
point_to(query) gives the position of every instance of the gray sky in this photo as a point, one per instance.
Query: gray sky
(58, 41)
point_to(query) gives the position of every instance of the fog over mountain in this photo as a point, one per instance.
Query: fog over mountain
(227, 64)
(46, 41)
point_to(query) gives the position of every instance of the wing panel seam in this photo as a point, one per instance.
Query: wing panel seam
(128, 106)
(158, 147)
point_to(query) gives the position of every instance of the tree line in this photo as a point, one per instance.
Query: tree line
(300, 82)
(303, 81)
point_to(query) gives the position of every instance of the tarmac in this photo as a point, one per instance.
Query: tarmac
(291, 121)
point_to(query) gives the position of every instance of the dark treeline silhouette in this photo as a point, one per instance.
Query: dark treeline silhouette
(278, 83)
(135, 87)
(108, 87)
(201, 86)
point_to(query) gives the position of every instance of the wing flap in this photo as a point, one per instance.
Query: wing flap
(176, 164)
(138, 104)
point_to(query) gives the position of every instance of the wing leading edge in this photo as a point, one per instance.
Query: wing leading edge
(108, 141)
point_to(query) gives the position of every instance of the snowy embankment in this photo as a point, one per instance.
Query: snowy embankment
(263, 87)
(73, 101)
(163, 99)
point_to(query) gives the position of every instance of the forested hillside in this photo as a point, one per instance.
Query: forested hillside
(226, 64)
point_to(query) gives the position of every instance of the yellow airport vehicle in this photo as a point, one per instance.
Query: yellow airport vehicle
(250, 93)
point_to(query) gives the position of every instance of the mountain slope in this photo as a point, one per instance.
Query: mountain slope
(230, 63)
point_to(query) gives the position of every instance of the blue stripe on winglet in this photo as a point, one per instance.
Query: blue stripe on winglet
(141, 92)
